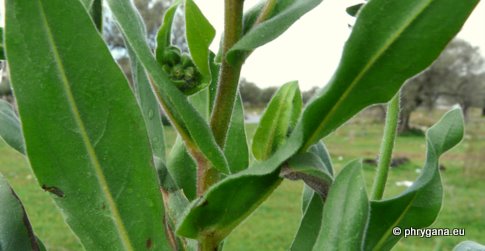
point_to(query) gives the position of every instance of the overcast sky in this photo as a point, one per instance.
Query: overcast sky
(310, 50)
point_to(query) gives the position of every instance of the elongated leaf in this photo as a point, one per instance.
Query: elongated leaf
(236, 147)
(469, 246)
(420, 204)
(188, 122)
(310, 224)
(209, 214)
(384, 64)
(312, 206)
(283, 15)
(229, 202)
(391, 41)
(200, 34)
(309, 168)
(321, 151)
(150, 109)
(164, 34)
(10, 127)
(84, 134)
(246, 190)
(278, 119)
(183, 169)
(15, 230)
(345, 212)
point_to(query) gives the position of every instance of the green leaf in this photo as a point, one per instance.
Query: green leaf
(183, 169)
(283, 15)
(229, 202)
(310, 224)
(84, 134)
(165, 31)
(149, 107)
(469, 246)
(391, 41)
(200, 34)
(236, 147)
(309, 168)
(354, 9)
(419, 205)
(312, 205)
(87, 3)
(186, 120)
(216, 214)
(10, 127)
(321, 151)
(15, 230)
(277, 121)
(345, 212)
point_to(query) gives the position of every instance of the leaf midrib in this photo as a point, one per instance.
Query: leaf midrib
(379, 244)
(367, 67)
(102, 182)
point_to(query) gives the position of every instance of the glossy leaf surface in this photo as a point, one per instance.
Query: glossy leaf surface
(283, 15)
(420, 204)
(345, 212)
(391, 41)
(10, 127)
(188, 122)
(75, 120)
(278, 119)
(15, 230)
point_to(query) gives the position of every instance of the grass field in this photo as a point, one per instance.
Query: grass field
(273, 225)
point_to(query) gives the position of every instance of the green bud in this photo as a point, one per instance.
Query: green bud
(186, 61)
(177, 72)
(189, 73)
(171, 56)
(166, 68)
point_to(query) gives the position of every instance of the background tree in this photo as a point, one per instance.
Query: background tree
(457, 76)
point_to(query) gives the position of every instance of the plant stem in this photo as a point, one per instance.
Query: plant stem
(387, 146)
(229, 74)
(208, 244)
(97, 14)
(266, 12)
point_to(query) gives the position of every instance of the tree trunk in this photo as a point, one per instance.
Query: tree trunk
(483, 112)
(465, 109)
(404, 119)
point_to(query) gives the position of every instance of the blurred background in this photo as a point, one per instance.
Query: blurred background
(310, 52)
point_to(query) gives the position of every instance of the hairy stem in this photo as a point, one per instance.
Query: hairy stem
(229, 74)
(387, 146)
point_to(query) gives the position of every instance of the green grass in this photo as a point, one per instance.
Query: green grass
(273, 225)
